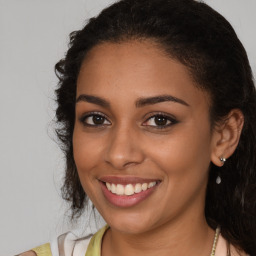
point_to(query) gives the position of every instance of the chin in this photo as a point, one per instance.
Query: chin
(135, 223)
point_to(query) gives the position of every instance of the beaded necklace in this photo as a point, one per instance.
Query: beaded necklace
(216, 236)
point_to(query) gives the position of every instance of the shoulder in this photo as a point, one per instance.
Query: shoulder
(28, 253)
(43, 250)
(68, 243)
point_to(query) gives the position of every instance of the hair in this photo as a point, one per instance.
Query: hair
(200, 38)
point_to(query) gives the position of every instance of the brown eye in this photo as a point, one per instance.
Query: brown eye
(95, 120)
(98, 120)
(160, 120)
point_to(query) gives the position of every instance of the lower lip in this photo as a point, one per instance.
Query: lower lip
(126, 201)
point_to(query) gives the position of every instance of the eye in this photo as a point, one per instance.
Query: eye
(95, 120)
(159, 121)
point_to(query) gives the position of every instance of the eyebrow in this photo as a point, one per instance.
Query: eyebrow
(158, 99)
(93, 99)
(141, 102)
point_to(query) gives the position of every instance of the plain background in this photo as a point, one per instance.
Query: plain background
(33, 37)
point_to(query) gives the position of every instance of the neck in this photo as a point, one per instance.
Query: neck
(184, 237)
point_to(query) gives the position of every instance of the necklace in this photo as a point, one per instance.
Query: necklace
(216, 236)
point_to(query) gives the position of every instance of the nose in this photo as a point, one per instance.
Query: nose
(124, 148)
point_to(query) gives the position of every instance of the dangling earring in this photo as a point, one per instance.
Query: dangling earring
(218, 179)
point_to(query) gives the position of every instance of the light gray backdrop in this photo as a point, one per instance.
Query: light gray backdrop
(33, 37)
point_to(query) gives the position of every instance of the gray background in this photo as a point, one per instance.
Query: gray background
(33, 37)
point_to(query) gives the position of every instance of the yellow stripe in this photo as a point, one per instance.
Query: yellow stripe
(43, 250)
(94, 247)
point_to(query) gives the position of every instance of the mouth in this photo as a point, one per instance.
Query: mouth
(123, 192)
(129, 189)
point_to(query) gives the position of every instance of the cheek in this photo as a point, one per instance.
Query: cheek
(184, 159)
(185, 153)
(87, 154)
(86, 150)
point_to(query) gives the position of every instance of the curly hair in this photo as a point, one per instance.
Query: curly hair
(204, 41)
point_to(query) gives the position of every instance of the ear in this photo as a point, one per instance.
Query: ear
(226, 135)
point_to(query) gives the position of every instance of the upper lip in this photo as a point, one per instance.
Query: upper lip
(124, 180)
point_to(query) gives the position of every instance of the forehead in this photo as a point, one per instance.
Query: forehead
(137, 68)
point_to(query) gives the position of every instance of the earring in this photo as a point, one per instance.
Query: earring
(218, 179)
(223, 160)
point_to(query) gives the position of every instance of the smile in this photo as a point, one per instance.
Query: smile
(129, 189)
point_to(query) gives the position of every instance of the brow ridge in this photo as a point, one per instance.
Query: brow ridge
(141, 102)
(158, 99)
(93, 99)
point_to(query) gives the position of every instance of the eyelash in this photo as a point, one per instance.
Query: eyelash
(93, 114)
(167, 118)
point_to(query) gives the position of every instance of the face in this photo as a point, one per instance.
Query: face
(142, 137)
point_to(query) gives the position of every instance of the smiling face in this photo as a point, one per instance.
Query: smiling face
(142, 137)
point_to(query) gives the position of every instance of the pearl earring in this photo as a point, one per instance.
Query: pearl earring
(223, 160)
(218, 179)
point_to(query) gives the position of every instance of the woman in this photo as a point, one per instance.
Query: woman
(156, 106)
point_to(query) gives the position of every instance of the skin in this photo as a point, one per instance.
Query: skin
(129, 143)
(29, 253)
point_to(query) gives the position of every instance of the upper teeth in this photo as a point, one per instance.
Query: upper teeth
(129, 189)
